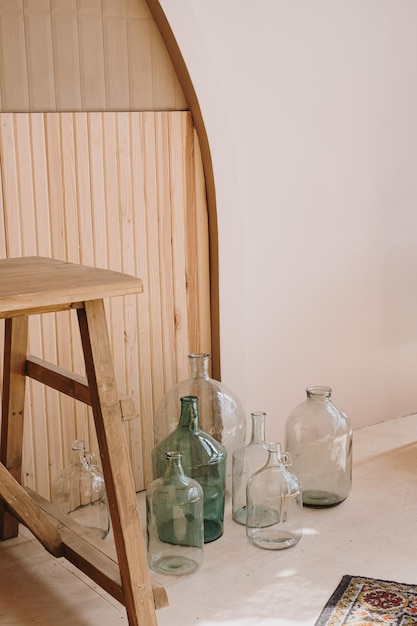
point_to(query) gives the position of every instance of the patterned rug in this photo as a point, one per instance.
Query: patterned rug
(360, 601)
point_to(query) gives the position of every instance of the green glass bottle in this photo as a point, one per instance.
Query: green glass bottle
(174, 521)
(203, 458)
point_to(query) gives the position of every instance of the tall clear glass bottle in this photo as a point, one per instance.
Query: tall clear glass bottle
(274, 504)
(246, 461)
(79, 491)
(203, 458)
(318, 436)
(174, 521)
(220, 411)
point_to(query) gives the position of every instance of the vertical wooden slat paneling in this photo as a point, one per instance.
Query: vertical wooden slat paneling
(164, 80)
(10, 186)
(84, 203)
(167, 269)
(190, 223)
(144, 397)
(115, 243)
(116, 66)
(56, 187)
(48, 327)
(39, 54)
(36, 437)
(152, 249)
(99, 188)
(72, 253)
(179, 251)
(91, 52)
(84, 55)
(140, 64)
(66, 55)
(13, 62)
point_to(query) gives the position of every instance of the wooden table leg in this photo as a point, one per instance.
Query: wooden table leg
(13, 403)
(130, 548)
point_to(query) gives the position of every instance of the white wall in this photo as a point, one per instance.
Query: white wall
(311, 113)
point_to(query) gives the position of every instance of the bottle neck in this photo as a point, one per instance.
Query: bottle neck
(78, 453)
(174, 468)
(319, 394)
(275, 455)
(189, 413)
(258, 427)
(199, 363)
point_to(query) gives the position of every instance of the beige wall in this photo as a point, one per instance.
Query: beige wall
(310, 112)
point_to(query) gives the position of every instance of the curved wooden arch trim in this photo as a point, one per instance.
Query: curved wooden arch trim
(180, 67)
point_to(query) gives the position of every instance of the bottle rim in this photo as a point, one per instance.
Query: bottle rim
(173, 454)
(319, 390)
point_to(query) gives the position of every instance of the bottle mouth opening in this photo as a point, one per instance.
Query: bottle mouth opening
(319, 391)
(198, 355)
(78, 444)
(274, 446)
(173, 454)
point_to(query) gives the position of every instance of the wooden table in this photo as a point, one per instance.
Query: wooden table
(36, 285)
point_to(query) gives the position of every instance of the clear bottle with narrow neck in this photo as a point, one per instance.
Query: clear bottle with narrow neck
(318, 435)
(174, 521)
(79, 490)
(203, 458)
(274, 504)
(220, 412)
(246, 461)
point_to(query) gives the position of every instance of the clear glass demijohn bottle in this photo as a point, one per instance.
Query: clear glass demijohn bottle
(203, 459)
(174, 521)
(274, 504)
(246, 461)
(318, 436)
(220, 411)
(79, 490)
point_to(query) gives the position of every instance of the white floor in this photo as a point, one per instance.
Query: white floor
(373, 533)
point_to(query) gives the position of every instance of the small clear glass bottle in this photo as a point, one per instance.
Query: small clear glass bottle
(79, 490)
(220, 411)
(174, 521)
(246, 461)
(318, 436)
(274, 504)
(203, 459)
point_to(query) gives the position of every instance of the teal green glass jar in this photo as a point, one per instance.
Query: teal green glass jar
(174, 521)
(203, 459)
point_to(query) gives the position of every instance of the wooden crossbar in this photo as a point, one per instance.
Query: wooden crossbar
(71, 384)
(93, 556)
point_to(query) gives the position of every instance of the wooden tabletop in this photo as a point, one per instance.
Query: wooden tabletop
(34, 284)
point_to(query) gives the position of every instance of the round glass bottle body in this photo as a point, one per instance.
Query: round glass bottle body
(246, 461)
(318, 436)
(203, 459)
(174, 521)
(220, 411)
(79, 490)
(274, 504)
